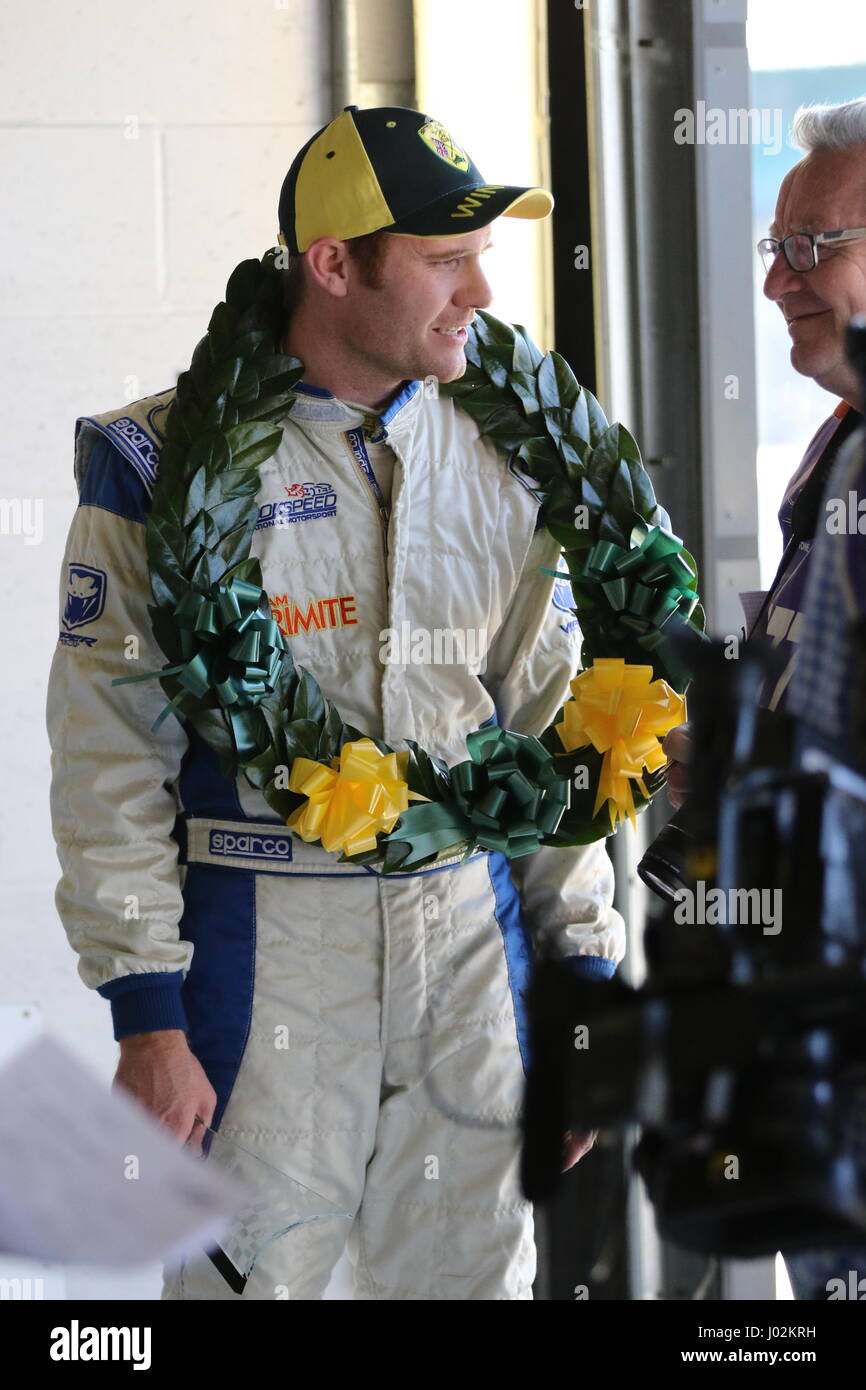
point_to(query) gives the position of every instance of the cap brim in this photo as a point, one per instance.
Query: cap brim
(457, 213)
(531, 203)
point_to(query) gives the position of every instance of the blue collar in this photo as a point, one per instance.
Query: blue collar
(402, 397)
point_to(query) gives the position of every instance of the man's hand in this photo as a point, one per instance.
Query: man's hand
(162, 1074)
(574, 1145)
(677, 746)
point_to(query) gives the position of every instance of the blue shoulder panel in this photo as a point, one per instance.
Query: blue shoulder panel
(134, 443)
(110, 483)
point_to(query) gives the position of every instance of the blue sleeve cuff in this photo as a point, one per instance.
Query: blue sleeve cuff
(146, 1003)
(592, 967)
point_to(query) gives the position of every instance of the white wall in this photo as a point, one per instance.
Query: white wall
(142, 148)
(481, 71)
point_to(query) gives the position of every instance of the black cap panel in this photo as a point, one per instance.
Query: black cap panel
(413, 169)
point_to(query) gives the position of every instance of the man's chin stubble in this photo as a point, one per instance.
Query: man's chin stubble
(452, 376)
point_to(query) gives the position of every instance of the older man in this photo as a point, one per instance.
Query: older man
(815, 259)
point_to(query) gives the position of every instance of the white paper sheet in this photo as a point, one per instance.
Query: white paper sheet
(86, 1176)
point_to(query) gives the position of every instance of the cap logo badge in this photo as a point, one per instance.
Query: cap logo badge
(437, 139)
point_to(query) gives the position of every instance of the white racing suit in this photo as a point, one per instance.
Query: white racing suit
(346, 1020)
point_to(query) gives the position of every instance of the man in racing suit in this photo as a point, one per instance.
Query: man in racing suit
(341, 1024)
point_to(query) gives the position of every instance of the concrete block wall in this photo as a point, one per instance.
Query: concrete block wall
(142, 148)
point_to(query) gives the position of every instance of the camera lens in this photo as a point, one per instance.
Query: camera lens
(663, 867)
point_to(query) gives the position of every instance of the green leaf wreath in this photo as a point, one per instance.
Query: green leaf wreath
(230, 670)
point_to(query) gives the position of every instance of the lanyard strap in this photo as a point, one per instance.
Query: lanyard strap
(359, 451)
(805, 510)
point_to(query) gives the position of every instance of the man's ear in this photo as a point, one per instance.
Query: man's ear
(327, 265)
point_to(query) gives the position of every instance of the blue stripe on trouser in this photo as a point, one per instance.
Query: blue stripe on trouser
(516, 943)
(220, 920)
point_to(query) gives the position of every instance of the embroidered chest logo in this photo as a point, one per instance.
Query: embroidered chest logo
(85, 602)
(303, 502)
(315, 616)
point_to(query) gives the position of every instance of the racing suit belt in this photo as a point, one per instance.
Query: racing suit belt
(268, 847)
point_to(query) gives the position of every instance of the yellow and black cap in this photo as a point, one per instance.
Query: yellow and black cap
(390, 168)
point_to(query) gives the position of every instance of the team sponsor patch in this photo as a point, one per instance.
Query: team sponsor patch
(315, 615)
(85, 602)
(437, 139)
(562, 596)
(303, 502)
(563, 599)
(138, 447)
(227, 843)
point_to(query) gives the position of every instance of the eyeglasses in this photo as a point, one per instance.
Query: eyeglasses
(801, 248)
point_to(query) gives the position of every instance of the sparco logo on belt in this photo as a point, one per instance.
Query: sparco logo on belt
(250, 846)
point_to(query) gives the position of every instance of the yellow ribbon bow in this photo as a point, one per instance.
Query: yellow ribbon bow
(359, 796)
(624, 714)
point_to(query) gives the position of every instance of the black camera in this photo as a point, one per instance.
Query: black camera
(743, 1056)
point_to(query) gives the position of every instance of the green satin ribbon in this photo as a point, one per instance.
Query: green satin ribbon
(631, 593)
(425, 832)
(505, 799)
(229, 649)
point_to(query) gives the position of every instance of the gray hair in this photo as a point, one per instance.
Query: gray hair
(837, 127)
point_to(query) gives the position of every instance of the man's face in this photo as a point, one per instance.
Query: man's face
(825, 192)
(414, 324)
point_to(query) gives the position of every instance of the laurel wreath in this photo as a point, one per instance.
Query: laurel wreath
(230, 670)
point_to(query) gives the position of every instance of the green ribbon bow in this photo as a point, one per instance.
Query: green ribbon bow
(507, 797)
(630, 594)
(231, 654)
